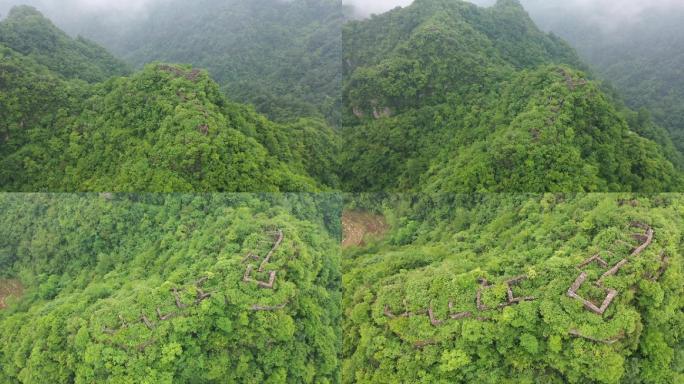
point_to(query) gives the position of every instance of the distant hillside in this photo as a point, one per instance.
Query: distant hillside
(447, 96)
(26, 31)
(282, 56)
(641, 57)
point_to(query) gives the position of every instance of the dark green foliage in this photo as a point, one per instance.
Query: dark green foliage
(169, 128)
(447, 96)
(560, 134)
(281, 56)
(439, 247)
(641, 57)
(94, 265)
(433, 49)
(165, 128)
(32, 100)
(26, 31)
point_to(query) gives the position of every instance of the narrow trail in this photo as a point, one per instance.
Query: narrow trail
(9, 288)
(356, 225)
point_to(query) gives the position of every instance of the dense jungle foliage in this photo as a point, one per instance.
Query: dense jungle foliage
(154, 289)
(475, 289)
(642, 57)
(446, 96)
(440, 97)
(284, 57)
(164, 128)
(29, 33)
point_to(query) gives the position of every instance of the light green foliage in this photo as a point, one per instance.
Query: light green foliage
(94, 265)
(454, 360)
(549, 337)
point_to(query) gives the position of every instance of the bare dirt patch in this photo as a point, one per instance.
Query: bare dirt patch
(356, 225)
(9, 288)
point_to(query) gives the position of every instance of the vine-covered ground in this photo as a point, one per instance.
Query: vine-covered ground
(519, 289)
(170, 288)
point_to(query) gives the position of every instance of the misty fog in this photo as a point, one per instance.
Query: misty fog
(79, 16)
(606, 14)
(365, 7)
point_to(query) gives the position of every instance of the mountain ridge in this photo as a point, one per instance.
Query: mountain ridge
(428, 92)
(164, 128)
(28, 32)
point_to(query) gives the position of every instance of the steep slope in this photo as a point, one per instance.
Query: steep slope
(31, 97)
(642, 57)
(28, 32)
(444, 95)
(506, 288)
(165, 128)
(281, 56)
(558, 134)
(167, 288)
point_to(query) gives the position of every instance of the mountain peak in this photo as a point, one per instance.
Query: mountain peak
(508, 3)
(28, 32)
(445, 71)
(25, 19)
(21, 11)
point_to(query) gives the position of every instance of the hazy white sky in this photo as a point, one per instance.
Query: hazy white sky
(376, 6)
(605, 10)
(80, 5)
(615, 9)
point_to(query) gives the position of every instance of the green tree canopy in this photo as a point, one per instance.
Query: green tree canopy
(168, 288)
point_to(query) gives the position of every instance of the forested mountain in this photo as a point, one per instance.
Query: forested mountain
(446, 96)
(505, 288)
(170, 288)
(26, 31)
(438, 96)
(164, 128)
(642, 57)
(535, 281)
(282, 56)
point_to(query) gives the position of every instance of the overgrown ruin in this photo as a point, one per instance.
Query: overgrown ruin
(247, 277)
(200, 296)
(645, 239)
(152, 325)
(10, 288)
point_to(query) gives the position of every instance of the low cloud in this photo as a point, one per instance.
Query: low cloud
(608, 12)
(80, 6)
(367, 7)
(69, 12)
(611, 13)
(598, 10)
